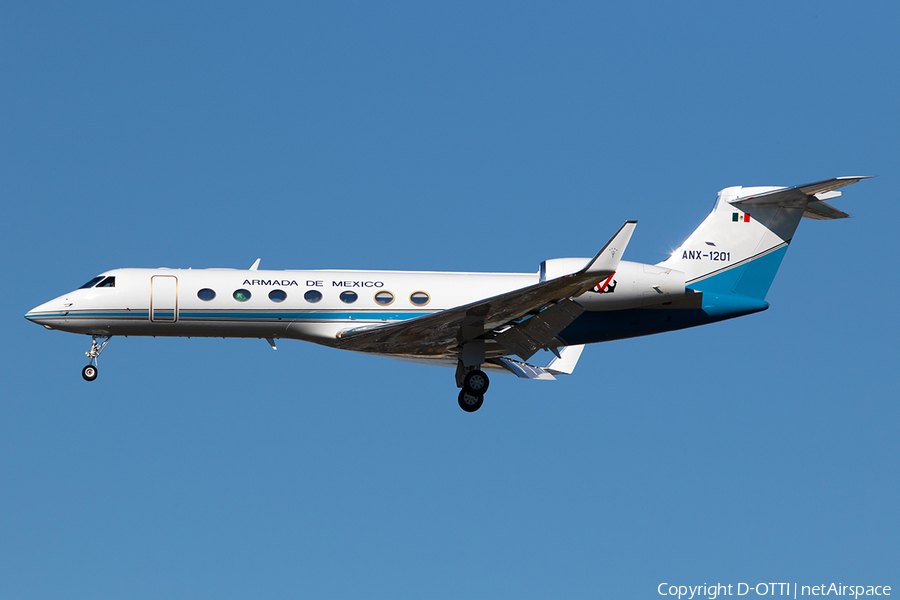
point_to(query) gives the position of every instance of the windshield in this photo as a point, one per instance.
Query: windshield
(91, 283)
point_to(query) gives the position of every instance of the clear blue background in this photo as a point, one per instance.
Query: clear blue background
(458, 137)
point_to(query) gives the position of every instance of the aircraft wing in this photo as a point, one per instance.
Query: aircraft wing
(563, 364)
(535, 313)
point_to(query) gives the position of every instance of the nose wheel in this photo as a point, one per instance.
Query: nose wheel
(89, 373)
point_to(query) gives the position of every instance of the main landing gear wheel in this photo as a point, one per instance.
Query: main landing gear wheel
(470, 402)
(89, 373)
(476, 382)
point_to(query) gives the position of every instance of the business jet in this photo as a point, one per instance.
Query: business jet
(473, 322)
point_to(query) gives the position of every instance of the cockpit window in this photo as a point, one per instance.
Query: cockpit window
(108, 282)
(91, 283)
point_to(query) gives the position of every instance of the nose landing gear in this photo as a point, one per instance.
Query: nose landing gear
(90, 371)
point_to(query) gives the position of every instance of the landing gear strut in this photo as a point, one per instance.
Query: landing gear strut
(90, 371)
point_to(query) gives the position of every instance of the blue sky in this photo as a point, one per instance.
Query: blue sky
(455, 137)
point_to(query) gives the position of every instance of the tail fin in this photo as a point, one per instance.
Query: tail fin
(740, 245)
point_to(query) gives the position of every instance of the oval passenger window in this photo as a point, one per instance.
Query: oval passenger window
(312, 296)
(241, 295)
(206, 294)
(277, 295)
(419, 298)
(348, 297)
(384, 298)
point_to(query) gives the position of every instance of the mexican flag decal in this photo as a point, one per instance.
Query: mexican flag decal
(737, 217)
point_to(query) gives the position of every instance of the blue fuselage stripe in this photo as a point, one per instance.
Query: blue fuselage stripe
(230, 315)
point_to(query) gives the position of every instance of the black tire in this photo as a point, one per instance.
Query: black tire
(89, 373)
(470, 402)
(476, 382)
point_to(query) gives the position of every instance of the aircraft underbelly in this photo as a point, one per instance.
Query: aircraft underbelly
(695, 309)
(142, 326)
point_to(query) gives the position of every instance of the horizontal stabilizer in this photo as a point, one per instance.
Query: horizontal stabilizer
(798, 196)
(823, 212)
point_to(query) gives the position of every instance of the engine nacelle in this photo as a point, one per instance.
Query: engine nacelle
(634, 285)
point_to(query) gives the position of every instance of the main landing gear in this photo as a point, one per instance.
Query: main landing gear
(474, 385)
(470, 402)
(90, 371)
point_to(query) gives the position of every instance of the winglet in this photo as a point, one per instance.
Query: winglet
(607, 260)
(255, 265)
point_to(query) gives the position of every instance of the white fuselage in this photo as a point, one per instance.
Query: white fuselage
(284, 304)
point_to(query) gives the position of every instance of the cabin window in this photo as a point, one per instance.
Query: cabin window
(108, 282)
(348, 297)
(241, 295)
(384, 298)
(277, 295)
(312, 296)
(91, 283)
(419, 298)
(206, 294)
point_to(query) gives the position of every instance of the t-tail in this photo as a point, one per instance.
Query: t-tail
(740, 245)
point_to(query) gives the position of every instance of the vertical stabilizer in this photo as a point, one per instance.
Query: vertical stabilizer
(741, 244)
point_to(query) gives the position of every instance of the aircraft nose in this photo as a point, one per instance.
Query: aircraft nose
(45, 314)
